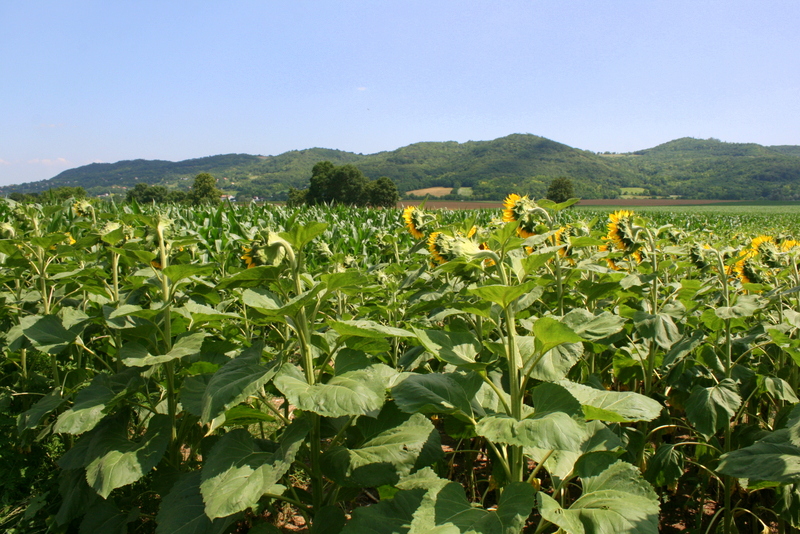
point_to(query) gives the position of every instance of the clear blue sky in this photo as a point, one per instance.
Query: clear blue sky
(85, 81)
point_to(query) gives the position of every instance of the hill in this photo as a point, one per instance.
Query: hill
(687, 167)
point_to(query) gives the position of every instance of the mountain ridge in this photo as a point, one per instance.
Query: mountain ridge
(526, 163)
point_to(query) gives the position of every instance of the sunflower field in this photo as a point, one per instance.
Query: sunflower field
(540, 368)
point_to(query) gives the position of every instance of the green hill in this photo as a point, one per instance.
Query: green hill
(691, 168)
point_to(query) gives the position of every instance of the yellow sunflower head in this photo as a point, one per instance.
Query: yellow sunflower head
(444, 248)
(746, 270)
(622, 231)
(82, 208)
(416, 220)
(525, 211)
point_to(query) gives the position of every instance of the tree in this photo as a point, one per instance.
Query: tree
(336, 185)
(146, 193)
(560, 190)
(204, 190)
(297, 197)
(382, 192)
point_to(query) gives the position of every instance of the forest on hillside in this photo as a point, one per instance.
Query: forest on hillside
(687, 167)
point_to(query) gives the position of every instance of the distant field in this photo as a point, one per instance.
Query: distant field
(432, 191)
(621, 202)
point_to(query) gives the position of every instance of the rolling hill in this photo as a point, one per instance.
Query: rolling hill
(691, 168)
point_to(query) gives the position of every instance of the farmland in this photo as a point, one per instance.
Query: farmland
(531, 367)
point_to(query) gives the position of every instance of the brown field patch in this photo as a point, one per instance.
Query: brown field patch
(432, 191)
(497, 204)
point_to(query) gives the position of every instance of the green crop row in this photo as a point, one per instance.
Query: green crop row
(341, 370)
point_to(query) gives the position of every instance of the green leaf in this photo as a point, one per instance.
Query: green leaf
(134, 355)
(31, 417)
(457, 348)
(597, 441)
(711, 409)
(238, 472)
(105, 517)
(551, 366)
(93, 402)
(617, 501)
(549, 333)
(432, 393)
(427, 504)
(358, 392)
(234, 382)
(182, 510)
(502, 295)
(660, 328)
(47, 333)
(665, 467)
(115, 461)
(299, 235)
(746, 305)
(774, 458)
(178, 272)
(613, 406)
(593, 327)
(385, 457)
(366, 328)
(254, 277)
(553, 425)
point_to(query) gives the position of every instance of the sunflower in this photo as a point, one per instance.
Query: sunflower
(621, 230)
(82, 208)
(745, 269)
(697, 256)
(524, 211)
(611, 263)
(437, 245)
(416, 220)
(789, 244)
(248, 258)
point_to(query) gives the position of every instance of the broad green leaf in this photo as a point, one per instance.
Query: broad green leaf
(238, 472)
(366, 328)
(554, 424)
(115, 461)
(178, 272)
(774, 458)
(432, 393)
(357, 392)
(597, 440)
(665, 467)
(617, 501)
(105, 517)
(31, 417)
(134, 355)
(256, 276)
(93, 402)
(502, 295)
(385, 457)
(201, 313)
(457, 348)
(551, 366)
(182, 510)
(593, 327)
(660, 328)
(710, 409)
(549, 333)
(427, 504)
(299, 235)
(745, 306)
(778, 388)
(47, 333)
(613, 406)
(234, 382)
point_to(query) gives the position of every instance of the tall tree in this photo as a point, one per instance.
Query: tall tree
(560, 189)
(382, 192)
(204, 190)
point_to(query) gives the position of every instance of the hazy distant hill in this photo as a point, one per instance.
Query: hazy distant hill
(692, 168)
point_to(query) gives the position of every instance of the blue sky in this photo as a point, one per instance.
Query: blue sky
(86, 81)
